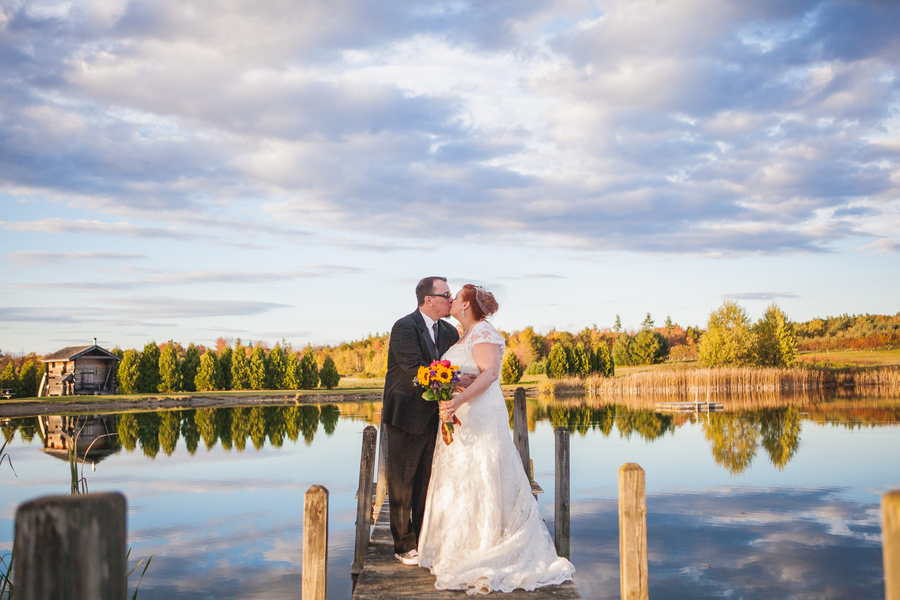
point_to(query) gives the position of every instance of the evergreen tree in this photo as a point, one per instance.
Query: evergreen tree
(10, 379)
(207, 378)
(582, 361)
(512, 370)
(618, 326)
(189, 367)
(277, 368)
(169, 369)
(557, 362)
(729, 339)
(776, 342)
(129, 372)
(329, 374)
(30, 378)
(118, 352)
(148, 379)
(258, 371)
(622, 350)
(570, 357)
(240, 368)
(647, 323)
(293, 375)
(309, 370)
(670, 326)
(605, 364)
(225, 368)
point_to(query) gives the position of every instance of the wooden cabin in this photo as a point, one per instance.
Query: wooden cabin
(78, 370)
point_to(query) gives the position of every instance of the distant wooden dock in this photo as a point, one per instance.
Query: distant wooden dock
(383, 576)
(690, 407)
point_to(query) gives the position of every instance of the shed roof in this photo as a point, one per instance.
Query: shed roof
(73, 352)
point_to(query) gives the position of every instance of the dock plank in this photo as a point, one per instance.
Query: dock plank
(383, 576)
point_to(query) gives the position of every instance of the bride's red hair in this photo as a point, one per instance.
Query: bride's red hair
(470, 293)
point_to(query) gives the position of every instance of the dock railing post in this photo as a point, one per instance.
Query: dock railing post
(890, 536)
(381, 482)
(520, 431)
(71, 546)
(315, 544)
(633, 532)
(364, 498)
(561, 512)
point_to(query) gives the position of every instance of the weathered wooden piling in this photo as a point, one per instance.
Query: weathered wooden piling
(364, 498)
(71, 547)
(315, 544)
(633, 532)
(890, 536)
(381, 482)
(520, 430)
(561, 513)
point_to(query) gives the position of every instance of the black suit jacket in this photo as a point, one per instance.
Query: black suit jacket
(409, 349)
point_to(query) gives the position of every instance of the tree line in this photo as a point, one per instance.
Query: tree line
(729, 338)
(164, 369)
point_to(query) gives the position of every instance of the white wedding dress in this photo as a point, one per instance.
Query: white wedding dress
(482, 529)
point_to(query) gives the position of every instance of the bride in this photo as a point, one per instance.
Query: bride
(482, 530)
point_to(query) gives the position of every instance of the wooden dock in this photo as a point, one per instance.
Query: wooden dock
(383, 576)
(690, 407)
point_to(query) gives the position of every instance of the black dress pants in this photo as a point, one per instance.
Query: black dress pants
(409, 469)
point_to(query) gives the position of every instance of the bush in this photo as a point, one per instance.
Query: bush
(512, 370)
(538, 367)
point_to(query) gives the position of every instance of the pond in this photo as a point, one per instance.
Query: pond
(754, 503)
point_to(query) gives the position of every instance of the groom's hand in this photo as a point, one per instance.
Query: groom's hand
(465, 380)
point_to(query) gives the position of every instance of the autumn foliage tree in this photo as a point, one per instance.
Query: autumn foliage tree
(729, 339)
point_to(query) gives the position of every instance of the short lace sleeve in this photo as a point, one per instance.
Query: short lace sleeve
(484, 333)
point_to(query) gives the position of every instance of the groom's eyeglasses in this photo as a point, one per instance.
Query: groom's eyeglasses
(446, 295)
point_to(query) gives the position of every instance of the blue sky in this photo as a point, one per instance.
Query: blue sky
(174, 170)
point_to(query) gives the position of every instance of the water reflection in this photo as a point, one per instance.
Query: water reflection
(232, 427)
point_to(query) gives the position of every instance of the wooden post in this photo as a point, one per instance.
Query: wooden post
(633, 532)
(315, 544)
(364, 499)
(561, 513)
(381, 488)
(71, 547)
(520, 430)
(890, 540)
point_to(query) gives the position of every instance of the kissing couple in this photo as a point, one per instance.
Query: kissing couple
(463, 510)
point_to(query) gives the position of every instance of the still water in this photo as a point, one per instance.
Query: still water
(761, 503)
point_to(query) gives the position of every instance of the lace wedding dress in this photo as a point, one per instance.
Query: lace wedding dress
(482, 529)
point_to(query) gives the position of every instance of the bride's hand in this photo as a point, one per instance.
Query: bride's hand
(448, 408)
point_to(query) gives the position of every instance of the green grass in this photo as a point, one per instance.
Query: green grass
(860, 358)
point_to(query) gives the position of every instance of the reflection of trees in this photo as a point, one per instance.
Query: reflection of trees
(148, 433)
(649, 425)
(733, 439)
(190, 433)
(780, 429)
(205, 420)
(169, 430)
(232, 426)
(329, 415)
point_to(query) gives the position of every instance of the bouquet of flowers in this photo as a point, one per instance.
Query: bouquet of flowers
(439, 379)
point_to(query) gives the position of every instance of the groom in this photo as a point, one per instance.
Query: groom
(412, 422)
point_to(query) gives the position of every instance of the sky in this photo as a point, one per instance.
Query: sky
(289, 170)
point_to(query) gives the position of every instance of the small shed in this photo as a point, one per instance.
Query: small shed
(79, 370)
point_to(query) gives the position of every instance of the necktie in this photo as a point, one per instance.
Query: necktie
(434, 328)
